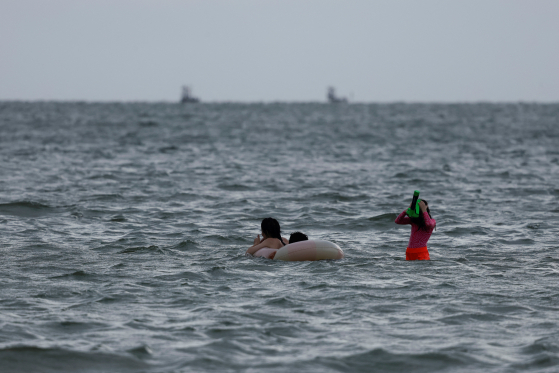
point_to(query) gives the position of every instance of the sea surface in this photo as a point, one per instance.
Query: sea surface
(124, 226)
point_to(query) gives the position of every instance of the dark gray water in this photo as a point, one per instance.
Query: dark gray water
(124, 227)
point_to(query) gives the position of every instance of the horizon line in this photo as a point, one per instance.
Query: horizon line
(217, 102)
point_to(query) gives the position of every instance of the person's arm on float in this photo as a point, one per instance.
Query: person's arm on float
(258, 244)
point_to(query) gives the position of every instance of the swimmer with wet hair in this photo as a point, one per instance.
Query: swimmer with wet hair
(298, 236)
(271, 237)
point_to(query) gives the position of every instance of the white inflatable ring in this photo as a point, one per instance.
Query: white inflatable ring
(303, 250)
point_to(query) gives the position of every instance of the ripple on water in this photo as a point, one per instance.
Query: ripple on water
(29, 358)
(124, 228)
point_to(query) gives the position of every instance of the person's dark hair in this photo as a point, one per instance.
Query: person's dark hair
(298, 236)
(420, 222)
(271, 228)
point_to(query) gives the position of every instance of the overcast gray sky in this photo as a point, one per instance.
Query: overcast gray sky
(280, 50)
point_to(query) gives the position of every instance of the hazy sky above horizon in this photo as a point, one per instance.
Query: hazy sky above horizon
(280, 50)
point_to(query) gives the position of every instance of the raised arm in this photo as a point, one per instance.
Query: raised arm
(403, 219)
(429, 222)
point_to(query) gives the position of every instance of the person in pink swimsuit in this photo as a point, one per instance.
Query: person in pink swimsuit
(421, 229)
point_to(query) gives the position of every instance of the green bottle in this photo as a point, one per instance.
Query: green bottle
(413, 211)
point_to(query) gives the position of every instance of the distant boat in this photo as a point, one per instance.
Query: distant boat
(187, 96)
(332, 98)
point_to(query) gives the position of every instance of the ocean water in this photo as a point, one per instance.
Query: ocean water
(124, 227)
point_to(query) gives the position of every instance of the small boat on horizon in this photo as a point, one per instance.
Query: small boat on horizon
(187, 96)
(332, 98)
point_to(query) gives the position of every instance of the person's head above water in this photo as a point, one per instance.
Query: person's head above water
(419, 221)
(297, 236)
(426, 207)
(270, 228)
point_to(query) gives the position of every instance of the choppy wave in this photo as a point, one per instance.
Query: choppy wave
(35, 359)
(27, 209)
(124, 228)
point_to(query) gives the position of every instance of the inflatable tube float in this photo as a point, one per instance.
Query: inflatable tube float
(302, 251)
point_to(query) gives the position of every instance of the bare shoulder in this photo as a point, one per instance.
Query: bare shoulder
(274, 243)
(269, 241)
